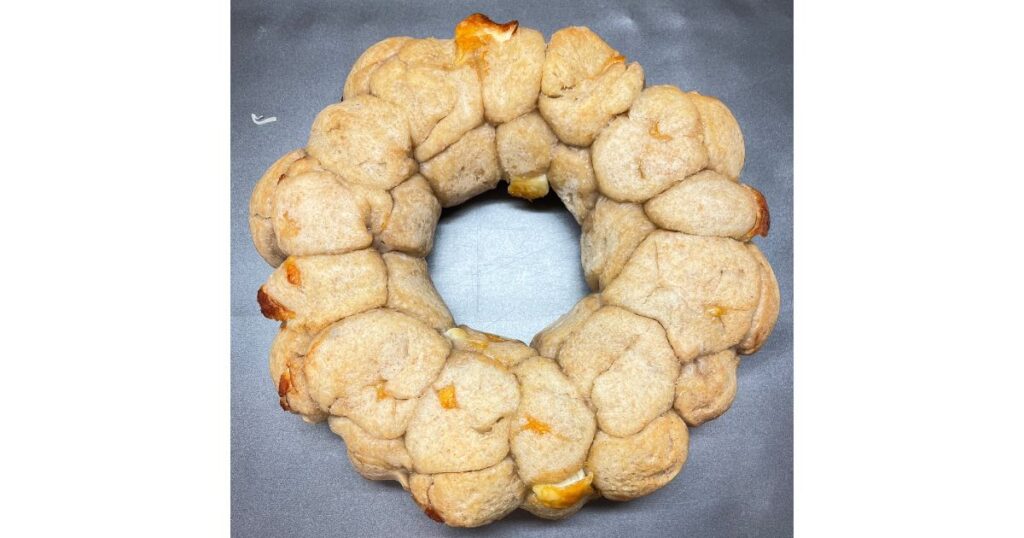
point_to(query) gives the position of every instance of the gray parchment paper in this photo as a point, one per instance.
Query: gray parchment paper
(509, 267)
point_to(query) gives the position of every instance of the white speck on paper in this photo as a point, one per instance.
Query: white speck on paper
(260, 120)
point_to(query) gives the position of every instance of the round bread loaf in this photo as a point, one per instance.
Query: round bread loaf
(472, 424)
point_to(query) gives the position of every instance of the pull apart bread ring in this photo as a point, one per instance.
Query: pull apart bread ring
(472, 424)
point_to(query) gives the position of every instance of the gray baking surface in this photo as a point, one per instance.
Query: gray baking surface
(507, 266)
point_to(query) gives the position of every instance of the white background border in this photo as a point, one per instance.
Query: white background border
(908, 274)
(908, 277)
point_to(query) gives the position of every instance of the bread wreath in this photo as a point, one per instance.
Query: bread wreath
(472, 424)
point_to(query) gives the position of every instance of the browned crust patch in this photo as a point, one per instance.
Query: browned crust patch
(477, 31)
(616, 59)
(538, 426)
(270, 308)
(763, 220)
(292, 273)
(656, 133)
(283, 386)
(446, 396)
(432, 514)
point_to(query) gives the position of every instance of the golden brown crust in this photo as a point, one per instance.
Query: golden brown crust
(270, 308)
(292, 272)
(432, 514)
(282, 390)
(763, 220)
(477, 31)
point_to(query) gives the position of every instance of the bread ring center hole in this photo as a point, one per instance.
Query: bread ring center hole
(507, 266)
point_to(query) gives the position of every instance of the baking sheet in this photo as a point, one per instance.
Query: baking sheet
(509, 267)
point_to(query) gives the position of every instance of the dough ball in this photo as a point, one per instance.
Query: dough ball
(411, 291)
(553, 428)
(722, 136)
(585, 84)
(703, 290)
(261, 208)
(372, 457)
(462, 421)
(708, 203)
(658, 144)
(572, 177)
(364, 140)
(610, 235)
(372, 367)
(311, 292)
(469, 499)
(439, 99)
(413, 219)
(629, 467)
(706, 387)
(466, 169)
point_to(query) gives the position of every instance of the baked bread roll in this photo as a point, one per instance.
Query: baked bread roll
(474, 425)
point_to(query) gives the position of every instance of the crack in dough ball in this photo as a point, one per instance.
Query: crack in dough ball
(375, 204)
(629, 467)
(610, 235)
(466, 169)
(659, 143)
(706, 387)
(586, 83)
(410, 225)
(469, 499)
(623, 363)
(462, 422)
(372, 457)
(372, 367)
(364, 140)
(440, 100)
(703, 290)
(572, 177)
(708, 203)
(311, 292)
